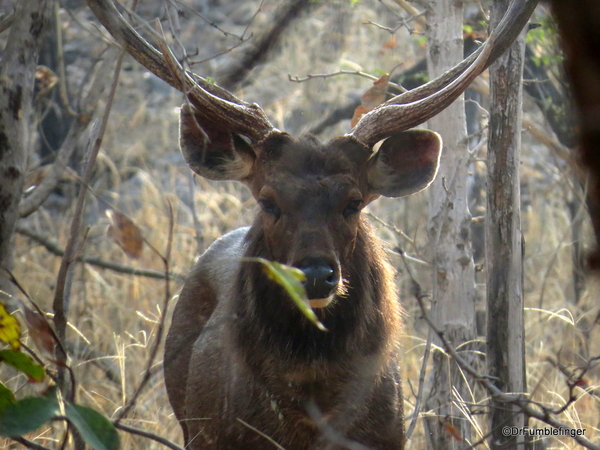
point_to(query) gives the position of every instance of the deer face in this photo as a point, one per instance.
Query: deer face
(311, 194)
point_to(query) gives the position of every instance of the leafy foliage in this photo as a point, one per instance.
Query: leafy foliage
(544, 39)
(96, 430)
(27, 415)
(6, 397)
(19, 417)
(23, 363)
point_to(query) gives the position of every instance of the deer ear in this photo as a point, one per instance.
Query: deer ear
(211, 150)
(405, 163)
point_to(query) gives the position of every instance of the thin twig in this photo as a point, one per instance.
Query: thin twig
(359, 73)
(260, 433)
(423, 371)
(41, 313)
(211, 23)
(418, 15)
(62, 74)
(60, 312)
(29, 444)
(147, 434)
(53, 248)
(392, 227)
(558, 149)
(401, 23)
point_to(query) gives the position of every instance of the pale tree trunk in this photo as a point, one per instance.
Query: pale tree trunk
(17, 71)
(504, 251)
(453, 296)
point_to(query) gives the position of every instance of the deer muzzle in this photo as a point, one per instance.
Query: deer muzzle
(322, 280)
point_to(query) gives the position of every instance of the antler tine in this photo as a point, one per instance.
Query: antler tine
(213, 102)
(419, 105)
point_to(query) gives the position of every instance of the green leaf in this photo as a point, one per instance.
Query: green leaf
(27, 415)
(23, 363)
(97, 431)
(290, 279)
(6, 398)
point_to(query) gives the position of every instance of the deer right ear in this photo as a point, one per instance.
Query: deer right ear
(405, 163)
(211, 150)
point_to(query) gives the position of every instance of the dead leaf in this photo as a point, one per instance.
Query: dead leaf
(391, 43)
(452, 430)
(125, 233)
(35, 177)
(45, 79)
(358, 113)
(376, 95)
(39, 330)
(371, 99)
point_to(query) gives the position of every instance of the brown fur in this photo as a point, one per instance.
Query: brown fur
(240, 357)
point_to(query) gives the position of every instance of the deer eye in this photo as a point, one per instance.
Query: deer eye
(269, 207)
(352, 208)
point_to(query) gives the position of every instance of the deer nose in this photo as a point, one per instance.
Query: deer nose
(322, 277)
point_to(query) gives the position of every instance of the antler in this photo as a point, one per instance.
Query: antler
(400, 113)
(421, 104)
(215, 104)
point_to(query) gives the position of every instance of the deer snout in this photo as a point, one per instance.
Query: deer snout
(322, 279)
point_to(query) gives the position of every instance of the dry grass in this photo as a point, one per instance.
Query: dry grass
(139, 172)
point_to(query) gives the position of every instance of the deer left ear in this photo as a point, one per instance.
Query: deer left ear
(211, 149)
(405, 163)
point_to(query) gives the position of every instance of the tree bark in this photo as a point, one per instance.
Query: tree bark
(504, 251)
(17, 73)
(453, 308)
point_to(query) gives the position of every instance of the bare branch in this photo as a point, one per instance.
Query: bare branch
(263, 44)
(78, 126)
(554, 146)
(359, 73)
(60, 304)
(146, 434)
(418, 15)
(260, 433)
(53, 248)
(29, 444)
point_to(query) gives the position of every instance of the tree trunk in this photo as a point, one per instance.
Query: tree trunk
(17, 73)
(453, 308)
(505, 334)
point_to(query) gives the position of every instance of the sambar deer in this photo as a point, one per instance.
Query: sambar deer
(242, 365)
